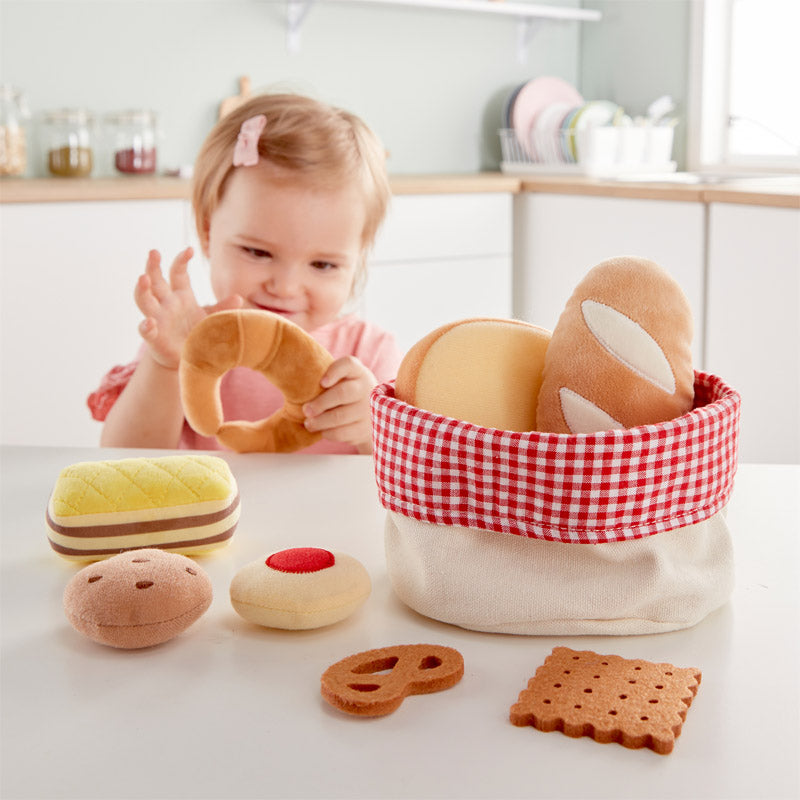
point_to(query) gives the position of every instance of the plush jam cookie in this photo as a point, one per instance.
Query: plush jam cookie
(137, 599)
(300, 588)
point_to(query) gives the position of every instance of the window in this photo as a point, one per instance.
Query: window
(745, 83)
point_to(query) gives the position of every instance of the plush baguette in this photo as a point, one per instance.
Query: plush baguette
(184, 503)
(620, 355)
(483, 371)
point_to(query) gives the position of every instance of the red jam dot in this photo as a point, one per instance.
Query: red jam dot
(301, 559)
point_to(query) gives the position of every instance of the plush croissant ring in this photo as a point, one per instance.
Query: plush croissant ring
(280, 350)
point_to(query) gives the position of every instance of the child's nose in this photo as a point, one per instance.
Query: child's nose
(282, 280)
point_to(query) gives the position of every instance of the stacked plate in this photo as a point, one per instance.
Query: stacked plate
(549, 127)
(545, 116)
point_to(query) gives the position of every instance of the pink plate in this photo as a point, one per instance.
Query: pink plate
(533, 97)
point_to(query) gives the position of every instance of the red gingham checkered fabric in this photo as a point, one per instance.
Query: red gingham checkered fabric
(585, 488)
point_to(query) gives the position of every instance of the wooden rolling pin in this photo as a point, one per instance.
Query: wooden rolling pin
(229, 103)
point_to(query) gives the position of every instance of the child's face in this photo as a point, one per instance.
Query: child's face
(284, 246)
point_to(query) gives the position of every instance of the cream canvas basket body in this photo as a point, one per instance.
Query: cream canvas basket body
(619, 532)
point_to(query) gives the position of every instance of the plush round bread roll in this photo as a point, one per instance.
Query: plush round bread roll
(620, 355)
(483, 371)
(137, 599)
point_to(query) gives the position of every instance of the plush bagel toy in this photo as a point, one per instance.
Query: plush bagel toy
(277, 348)
(620, 355)
(483, 371)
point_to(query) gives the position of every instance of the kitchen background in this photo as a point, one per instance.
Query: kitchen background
(459, 241)
(432, 83)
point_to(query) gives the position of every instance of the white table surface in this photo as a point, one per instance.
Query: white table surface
(232, 710)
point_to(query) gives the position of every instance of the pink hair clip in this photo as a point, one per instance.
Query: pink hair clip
(245, 151)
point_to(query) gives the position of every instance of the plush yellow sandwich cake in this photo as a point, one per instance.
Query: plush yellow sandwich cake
(182, 503)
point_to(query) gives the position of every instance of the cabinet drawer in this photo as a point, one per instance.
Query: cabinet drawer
(68, 315)
(412, 299)
(424, 227)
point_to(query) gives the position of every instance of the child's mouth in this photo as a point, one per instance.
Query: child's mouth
(284, 312)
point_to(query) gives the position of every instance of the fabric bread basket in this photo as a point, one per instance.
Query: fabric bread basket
(619, 532)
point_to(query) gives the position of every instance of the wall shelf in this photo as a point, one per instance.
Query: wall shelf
(529, 16)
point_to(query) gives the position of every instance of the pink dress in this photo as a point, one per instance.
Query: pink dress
(248, 395)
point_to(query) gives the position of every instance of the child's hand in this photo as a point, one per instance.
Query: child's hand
(170, 308)
(341, 412)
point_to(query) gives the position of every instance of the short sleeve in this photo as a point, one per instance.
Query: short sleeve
(103, 398)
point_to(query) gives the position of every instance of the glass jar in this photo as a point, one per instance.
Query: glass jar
(13, 117)
(132, 137)
(67, 142)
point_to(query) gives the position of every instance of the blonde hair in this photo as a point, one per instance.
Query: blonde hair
(325, 146)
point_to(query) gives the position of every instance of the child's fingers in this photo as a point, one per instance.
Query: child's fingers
(344, 433)
(158, 286)
(343, 393)
(143, 295)
(335, 418)
(229, 303)
(340, 370)
(179, 271)
(148, 329)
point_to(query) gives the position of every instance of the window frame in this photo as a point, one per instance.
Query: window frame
(709, 97)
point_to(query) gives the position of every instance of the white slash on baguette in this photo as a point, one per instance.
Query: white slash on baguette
(629, 343)
(583, 416)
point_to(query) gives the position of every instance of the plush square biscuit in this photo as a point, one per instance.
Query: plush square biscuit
(608, 698)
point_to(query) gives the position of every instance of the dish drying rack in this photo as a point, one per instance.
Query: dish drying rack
(602, 151)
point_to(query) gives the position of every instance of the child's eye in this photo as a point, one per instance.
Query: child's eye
(257, 252)
(323, 266)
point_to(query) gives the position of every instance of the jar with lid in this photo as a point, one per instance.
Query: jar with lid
(132, 137)
(13, 122)
(67, 141)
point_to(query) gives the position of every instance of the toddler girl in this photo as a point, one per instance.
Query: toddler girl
(288, 196)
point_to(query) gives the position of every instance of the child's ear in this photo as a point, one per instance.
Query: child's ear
(204, 233)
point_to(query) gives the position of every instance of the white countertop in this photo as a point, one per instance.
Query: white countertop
(231, 710)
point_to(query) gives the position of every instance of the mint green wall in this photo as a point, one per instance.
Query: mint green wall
(422, 78)
(431, 82)
(639, 52)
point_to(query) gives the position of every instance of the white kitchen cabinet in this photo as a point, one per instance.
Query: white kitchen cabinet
(753, 323)
(558, 238)
(440, 258)
(68, 272)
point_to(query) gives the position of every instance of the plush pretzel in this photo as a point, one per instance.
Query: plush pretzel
(376, 682)
(280, 350)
